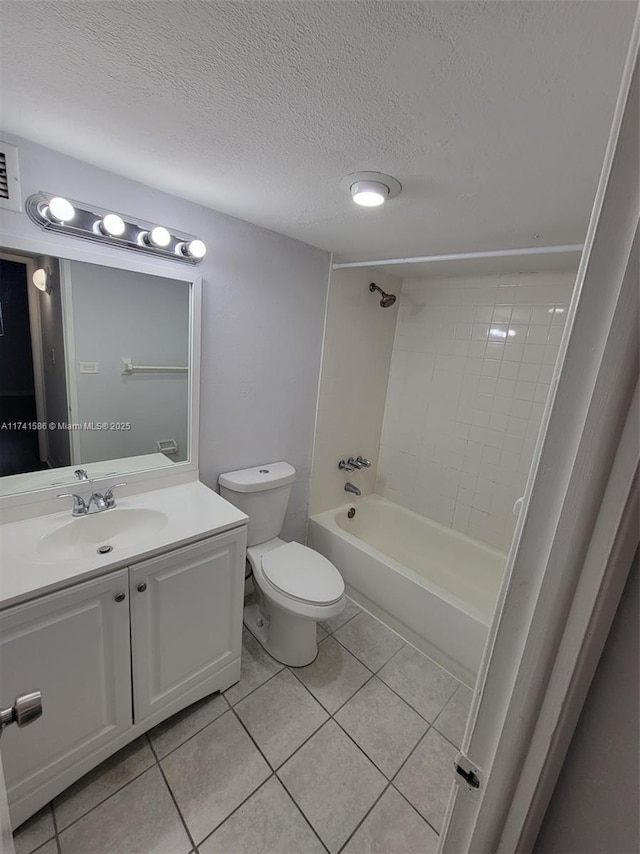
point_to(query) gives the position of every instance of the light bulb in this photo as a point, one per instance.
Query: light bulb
(61, 209)
(369, 194)
(40, 279)
(113, 225)
(193, 249)
(160, 237)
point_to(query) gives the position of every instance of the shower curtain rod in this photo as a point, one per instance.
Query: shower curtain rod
(465, 256)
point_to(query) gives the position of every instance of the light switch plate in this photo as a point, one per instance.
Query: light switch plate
(89, 367)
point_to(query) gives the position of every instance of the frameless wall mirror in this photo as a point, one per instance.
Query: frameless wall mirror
(95, 371)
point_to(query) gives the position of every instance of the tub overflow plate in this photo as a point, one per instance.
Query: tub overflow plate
(351, 512)
(104, 550)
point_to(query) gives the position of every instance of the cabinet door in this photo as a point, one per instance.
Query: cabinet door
(73, 646)
(186, 618)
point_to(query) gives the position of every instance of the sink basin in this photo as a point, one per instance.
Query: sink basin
(83, 536)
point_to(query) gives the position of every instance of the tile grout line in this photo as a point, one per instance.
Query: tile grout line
(301, 811)
(415, 809)
(95, 806)
(364, 817)
(55, 828)
(194, 847)
(189, 737)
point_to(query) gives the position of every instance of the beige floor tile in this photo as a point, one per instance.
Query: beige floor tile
(369, 640)
(427, 776)
(419, 681)
(393, 827)
(334, 676)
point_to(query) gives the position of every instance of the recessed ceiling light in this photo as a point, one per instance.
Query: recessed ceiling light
(369, 194)
(370, 189)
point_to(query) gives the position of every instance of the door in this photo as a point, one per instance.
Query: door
(73, 646)
(576, 534)
(183, 628)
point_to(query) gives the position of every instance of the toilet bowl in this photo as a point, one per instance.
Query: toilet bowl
(295, 586)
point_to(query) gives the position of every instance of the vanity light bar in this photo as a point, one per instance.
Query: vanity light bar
(78, 219)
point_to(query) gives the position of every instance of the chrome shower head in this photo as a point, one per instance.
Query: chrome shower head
(387, 299)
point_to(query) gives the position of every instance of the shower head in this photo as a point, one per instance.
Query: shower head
(387, 299)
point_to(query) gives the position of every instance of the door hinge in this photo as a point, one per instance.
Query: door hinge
(467, 771)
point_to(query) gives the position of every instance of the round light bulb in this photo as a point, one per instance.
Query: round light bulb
(61, 209)
(197, 248)
(113, 225)
(160, 237)
(41, 280)
(369, 194)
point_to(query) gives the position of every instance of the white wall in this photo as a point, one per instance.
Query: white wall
(262, 316)
(120, 314)
(355, 368)
(464, 403)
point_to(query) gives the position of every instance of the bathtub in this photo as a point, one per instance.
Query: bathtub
(436, 587)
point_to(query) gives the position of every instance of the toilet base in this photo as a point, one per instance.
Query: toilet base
(289, 639)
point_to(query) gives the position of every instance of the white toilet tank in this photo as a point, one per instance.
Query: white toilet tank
(263, 494)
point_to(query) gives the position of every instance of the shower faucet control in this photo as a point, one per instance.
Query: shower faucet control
(356, 464)
(343, 465)
(364, 463)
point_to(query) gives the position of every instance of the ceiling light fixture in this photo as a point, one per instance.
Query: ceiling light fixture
(370, 189)
(42, 280)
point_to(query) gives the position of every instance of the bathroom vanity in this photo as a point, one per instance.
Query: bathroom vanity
(115, 642)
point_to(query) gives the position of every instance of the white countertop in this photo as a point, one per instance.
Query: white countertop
(193, 510)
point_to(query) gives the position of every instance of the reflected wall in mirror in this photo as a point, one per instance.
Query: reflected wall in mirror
(94, 371)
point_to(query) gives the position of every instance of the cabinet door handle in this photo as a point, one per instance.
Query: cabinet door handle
(142, 587)
(119, 597)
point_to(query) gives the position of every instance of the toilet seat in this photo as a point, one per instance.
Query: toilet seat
(302, 574)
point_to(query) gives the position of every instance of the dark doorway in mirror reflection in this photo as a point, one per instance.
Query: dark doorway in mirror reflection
(19, 450)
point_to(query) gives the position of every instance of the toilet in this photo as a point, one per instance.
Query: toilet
(296, 587)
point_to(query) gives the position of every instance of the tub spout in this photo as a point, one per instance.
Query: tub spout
(349, 487)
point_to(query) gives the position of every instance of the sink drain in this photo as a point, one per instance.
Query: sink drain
(104, 550)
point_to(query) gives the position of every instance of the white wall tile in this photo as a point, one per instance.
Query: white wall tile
(357, 366)
(460, 427)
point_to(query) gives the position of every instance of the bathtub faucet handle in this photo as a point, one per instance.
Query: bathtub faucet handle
(344, 466)
(355, 464)
(364, 463)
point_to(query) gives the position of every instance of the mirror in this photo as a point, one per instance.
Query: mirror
(94, 371)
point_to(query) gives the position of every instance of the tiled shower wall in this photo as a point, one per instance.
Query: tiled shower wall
(470, 371)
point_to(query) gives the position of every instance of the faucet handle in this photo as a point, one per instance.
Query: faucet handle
(81, 474)
(343, 465)
(80, 506)
(109, 500)
(364, 463)
(355, 463)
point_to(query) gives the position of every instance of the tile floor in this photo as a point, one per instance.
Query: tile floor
(351, 754)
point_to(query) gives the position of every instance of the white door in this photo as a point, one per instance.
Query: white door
(186, 619)
(74, 646)
(576, 535)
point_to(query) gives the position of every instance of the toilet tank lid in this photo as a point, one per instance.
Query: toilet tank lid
(259, 478)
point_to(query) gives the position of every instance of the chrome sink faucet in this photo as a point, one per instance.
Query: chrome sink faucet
(96, 503)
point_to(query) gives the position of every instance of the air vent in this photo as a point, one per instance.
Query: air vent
(10, 195)
(4, 184)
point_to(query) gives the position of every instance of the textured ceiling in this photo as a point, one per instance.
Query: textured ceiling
(494, 116)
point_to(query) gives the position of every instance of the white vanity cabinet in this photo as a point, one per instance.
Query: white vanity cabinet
(73, 647)
(186, 620)
(114, 656)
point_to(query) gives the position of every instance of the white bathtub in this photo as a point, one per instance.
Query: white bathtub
(435, 586)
